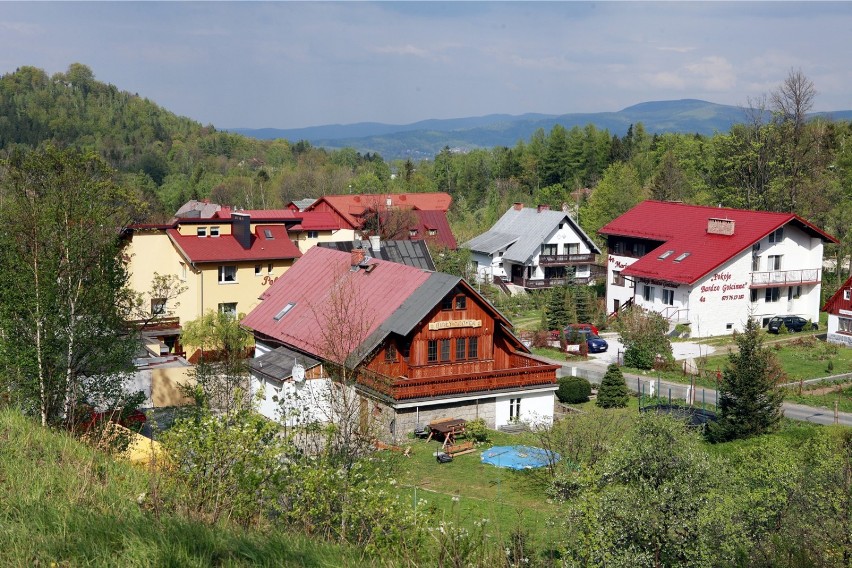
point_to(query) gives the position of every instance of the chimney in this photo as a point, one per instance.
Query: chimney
(541, 208)
(358, 255)
(720, 226)
(518, 205)
(375, 244)
(241, 229)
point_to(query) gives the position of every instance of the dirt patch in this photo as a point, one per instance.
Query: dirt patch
(826, 390)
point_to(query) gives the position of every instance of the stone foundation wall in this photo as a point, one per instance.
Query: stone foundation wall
(397, 426)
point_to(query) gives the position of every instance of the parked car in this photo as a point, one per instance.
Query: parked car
(792, 323)
(594, 343)
(584, 326)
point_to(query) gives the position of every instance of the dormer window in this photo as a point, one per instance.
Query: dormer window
(201, 231)
(214, 231)
(433, 232)
(412, 232)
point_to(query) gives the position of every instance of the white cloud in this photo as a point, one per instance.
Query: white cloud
(713, 73)
(665, 80)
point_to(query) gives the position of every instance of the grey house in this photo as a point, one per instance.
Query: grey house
(535, 248)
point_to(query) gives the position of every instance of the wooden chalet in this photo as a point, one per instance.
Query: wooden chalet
(423, 345)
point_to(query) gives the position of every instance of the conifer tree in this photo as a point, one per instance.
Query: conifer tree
(613, 390)
(749, 403)
(557, 315)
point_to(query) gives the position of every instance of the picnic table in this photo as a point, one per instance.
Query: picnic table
(449, 428)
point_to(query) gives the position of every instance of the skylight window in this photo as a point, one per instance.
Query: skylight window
(284, 311)
(268, 233)
(681, 256)
(666, 254)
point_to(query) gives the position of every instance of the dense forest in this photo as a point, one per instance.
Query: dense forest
(787, 162)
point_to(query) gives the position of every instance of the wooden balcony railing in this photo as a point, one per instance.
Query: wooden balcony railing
(528, 372)
(785, 278)
(565, 259)
(155, 323)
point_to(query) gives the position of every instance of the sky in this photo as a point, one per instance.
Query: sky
(299, 64)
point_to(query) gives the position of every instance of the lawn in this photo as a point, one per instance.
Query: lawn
(823, 395)
(465, 491)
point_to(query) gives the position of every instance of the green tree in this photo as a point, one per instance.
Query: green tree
(644, 337)
(64, 298)
(618, 191)
(613, 390)
(557, 313)
(749, 400)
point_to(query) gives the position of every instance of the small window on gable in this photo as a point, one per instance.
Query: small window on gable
(390, 353)
(847, 294)
(268, 234)
(666, 254)
(447, 303)
(777, 235)
(201, 231)
(461, 302)
(681, 256)
(214, 231)
(284, 311)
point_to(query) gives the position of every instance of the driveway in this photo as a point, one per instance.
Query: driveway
(682, 350)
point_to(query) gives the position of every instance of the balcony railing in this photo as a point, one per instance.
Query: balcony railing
(155, 323)
(785, 278)
(565, 259)
(528, 372)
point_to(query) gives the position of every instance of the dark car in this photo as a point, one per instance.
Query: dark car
(593, 341)
(792, 323)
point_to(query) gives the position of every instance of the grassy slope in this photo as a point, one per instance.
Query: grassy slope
(63, 503)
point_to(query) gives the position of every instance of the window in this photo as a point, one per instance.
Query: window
(666, 254)
(668, 297)
(214, 231)
(313, 234)
(648, 293)
(794, 292)
(390, 353)
(269, 268)
(847, 294)
(619, 247)
(549, 249)
(268, 234)
(447, 303)
(461, 348)
(681, 256)
(774, 262)
(258, 269)
(433, 232)
(412, 233)
(229, 309)
(754, 295)
(201, 231)
(183, 271)
(755, 263)
(514, 409)
(473, 348)
(227, 274)
(777, 235)
(158, 306)
(617, 278)
(461, 302)
(445, 350)
(432, 352)
(572, 248)
(283, 311)
(772, 294)
(844, 325)
(638, 249)
(729, 326)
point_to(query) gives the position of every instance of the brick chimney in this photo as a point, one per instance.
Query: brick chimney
(241, 229)
(518, 205)
(720, 226)
(358, 255)
(542, 207)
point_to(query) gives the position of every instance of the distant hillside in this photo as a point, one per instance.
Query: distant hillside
(426, 138)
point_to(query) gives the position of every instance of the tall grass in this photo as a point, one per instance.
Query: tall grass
(65, 504)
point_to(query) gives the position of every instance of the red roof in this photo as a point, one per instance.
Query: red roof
(836, 302)
(318, 221)
(350, 207)
(683, 229)
(258, 214)
(434, 221)
(226, 248)
(318, 282)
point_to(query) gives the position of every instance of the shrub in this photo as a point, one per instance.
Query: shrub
(573, 390)
(476, 430)
(613, 390)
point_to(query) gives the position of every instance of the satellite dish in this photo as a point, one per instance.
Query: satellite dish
(298, 372)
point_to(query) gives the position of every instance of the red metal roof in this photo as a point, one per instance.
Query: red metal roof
(350, 207)
(683, 229)
(226, 248)
(318, 221)
(318, 282)
(836, 302)
(258, 214)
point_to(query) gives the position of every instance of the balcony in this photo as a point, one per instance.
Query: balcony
(785, 278)
(566, 259)
(525, 372)
(595, 271)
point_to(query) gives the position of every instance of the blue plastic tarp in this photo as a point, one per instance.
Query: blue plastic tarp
(518, 457)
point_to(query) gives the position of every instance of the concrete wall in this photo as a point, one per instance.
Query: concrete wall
(536, 408)
(408, 419)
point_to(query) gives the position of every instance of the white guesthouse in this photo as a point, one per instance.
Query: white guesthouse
(711, 268)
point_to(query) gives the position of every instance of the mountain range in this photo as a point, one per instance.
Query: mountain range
(426, 138)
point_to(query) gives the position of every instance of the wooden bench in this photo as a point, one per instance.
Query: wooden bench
(459, 449)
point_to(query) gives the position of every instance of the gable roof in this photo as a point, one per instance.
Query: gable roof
(226, 248)
(409, 253)
(523, 231)
(836, 301)
(351, 207)
(278, 363)
(683, 229)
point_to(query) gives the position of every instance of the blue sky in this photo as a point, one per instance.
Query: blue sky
(296, 64)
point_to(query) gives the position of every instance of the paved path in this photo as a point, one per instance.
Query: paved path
(594, 372)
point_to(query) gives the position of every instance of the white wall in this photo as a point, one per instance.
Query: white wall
(621, 293)
(536, 408)
(292, 403)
